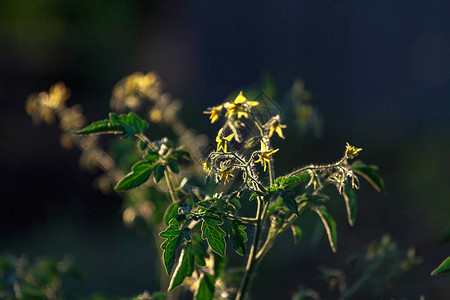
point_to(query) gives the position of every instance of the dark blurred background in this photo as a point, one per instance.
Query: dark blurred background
(379, 73)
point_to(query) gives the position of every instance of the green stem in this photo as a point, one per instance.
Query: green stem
(251, 259)
(313, 167)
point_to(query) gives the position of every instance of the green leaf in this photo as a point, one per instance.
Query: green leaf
(252, 196)
(369, 173)
(238, 237)
(329, 224)
(101, 127)
(124, 124)
(184, 268)
(307, 197)
(220, 263)
(159, 172)
(283, 182)
(180, 153)
(142, 145)
(174, 236)
(139, 174)
(158, 296)
(205, 203)
(289, 200)
(350, 204)
(151, 156)
(171, 211)
(205, 290)
(294, 179)
(131, 123)
(444, 267)
(297, 233)
(213, 234)
(199, 249)
(235, 203)
(173, 166)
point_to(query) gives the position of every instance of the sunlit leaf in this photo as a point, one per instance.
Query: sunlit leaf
(198, 249)
(124, 124)
(350, 204)
(101, 127)
(173, 166)
(235, 203)
(290, 181)
(159, 172)
(213, 234)
(131, 123)
(205, 290)
(329, 224)
(171, 211)
(174, 236)
(369, 173)
(444, 267)
(220, 263)
(142, 145)
(238, 237)
(182, 154)
(184, 268)
(151, 156)
(253, 196)
(140, 172)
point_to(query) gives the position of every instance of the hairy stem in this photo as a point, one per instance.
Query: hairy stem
(313, 167)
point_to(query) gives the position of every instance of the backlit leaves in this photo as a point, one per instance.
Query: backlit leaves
(174, 236)
(159, 172)
(173, 166)
(329, 224)
(171, 211)
(350, 204)
(140, 172)
(126, 125)
(184, 268)
(369, 173)
(205, 290)
(444, 267)
(213, 234)
(238, 237)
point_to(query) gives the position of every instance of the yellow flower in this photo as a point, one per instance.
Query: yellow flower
(215, 112)
(276, 127)
(222, 142)
(264, 156)
(225, 174)
(239, 106)
(351, 151)
(206, 166)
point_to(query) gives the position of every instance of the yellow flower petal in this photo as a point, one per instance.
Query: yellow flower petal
(351, 150)
(272, 152)
(279, 132)
(214, 112)
(240, 98)
(228, 138)
(271, 130)
(252, 103)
